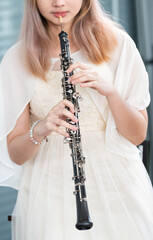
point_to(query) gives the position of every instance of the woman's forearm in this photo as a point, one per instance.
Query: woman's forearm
(20, 146)
(130, 123)
(22, 149)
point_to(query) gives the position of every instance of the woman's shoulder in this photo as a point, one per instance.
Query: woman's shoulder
(13, 63)
(14, 60)
(125, 45)
(124, 39)
(13, 53)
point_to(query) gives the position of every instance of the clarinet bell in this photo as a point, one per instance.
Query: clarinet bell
(84, 225)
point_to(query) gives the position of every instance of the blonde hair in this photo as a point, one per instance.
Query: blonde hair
(92, 30)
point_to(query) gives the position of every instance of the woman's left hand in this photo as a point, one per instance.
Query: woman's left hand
(88, 77)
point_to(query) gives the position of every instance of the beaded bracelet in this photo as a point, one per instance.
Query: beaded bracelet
(31, 134)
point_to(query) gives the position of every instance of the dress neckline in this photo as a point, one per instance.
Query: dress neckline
(54, 59)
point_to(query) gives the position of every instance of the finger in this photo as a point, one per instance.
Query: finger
(60, 131)
(62, 118)
(66, 125)
(70, 115)
(91, 84)
(82, 79)
(78, 65)
(68, 104)
(78, 74)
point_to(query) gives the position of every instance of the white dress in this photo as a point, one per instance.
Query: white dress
(119, 192)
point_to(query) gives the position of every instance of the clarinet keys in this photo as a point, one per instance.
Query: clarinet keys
(77, 95)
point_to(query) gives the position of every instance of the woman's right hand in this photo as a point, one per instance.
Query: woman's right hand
(56, 118)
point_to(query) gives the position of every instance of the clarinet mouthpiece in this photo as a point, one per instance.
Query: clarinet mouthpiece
(61, 22)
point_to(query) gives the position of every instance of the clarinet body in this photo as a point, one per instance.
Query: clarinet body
(74, 139)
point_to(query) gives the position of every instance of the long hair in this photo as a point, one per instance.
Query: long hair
(92, 31)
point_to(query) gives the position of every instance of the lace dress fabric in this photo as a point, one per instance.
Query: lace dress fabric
(119, 191)
(90, 119)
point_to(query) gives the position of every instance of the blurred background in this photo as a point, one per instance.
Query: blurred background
(136, 16)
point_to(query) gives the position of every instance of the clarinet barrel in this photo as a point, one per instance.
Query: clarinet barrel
(74, 139)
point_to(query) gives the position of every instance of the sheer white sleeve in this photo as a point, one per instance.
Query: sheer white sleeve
(131, 81)
(127, 72)
(131, 76)
(16, 90)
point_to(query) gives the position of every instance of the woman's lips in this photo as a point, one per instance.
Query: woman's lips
(58, 14)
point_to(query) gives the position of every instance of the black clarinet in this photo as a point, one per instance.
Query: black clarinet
(74, 139)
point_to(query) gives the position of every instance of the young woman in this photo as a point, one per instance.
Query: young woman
(111, 77)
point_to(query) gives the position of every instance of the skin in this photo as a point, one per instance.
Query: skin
(47, 8)
(130, 123)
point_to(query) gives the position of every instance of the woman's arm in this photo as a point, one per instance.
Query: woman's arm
(130, 123)
(20, 146)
